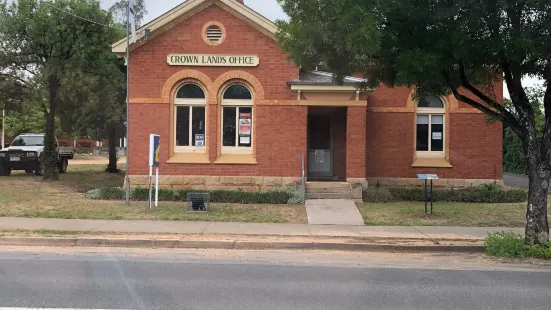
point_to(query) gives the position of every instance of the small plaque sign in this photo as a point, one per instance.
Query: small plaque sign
(427, 177)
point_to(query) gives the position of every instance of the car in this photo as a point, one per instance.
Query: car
(25, 153)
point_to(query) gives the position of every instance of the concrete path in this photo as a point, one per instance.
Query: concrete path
(204, 228)
(333, 212)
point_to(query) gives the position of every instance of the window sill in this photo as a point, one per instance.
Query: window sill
(431, 163)
(236, 159)
(188, 158)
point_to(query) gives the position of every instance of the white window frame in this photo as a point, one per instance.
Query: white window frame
(430, 112)
(190, 103)
(236, 103)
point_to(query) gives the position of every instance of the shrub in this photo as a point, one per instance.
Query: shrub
(484, 194)
(538, 251)
(106, 193)
(507, 244)
(296, 197)
(216, 196)
(378, 195)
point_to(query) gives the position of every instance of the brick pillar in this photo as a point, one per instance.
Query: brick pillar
(356, 144)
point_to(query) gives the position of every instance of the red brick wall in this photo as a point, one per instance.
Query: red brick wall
(385, 97)
(356, 142)
(280, 130)
(149, 69)
(475, 147)
(280, 142)
(377, 144)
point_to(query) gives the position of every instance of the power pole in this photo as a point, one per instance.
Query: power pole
(3, 129)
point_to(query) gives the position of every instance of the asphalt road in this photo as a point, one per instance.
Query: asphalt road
(516, 180)
(200, 280)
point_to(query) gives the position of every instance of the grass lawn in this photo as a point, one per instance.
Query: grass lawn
(445, 214)
(25, 195)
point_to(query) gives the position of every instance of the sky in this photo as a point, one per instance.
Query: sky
(268, 8)
(155, 8)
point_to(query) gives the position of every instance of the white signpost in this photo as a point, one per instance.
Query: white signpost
(154, 161)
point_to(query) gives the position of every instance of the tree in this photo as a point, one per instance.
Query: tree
(120, 8)
(45, 40)
(513, 152)
(104, 112)
(441, 47)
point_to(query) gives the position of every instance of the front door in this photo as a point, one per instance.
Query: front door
(320, 147)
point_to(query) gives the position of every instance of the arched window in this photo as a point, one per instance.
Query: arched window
(190, 119)
(237, 120)
(430, 127)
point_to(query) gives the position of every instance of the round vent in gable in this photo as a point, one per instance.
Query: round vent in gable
(214, 33)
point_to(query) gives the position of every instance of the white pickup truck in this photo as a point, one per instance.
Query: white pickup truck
(25, 152)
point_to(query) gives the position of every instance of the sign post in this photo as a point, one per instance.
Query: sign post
(428, 177)
(154, 161)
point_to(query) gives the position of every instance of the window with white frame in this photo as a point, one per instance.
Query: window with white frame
(430, 140)
(237, 120)
(190, 119)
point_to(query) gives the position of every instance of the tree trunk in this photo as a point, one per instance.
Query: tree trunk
(112, 167)
(537, 223)
(49, 156)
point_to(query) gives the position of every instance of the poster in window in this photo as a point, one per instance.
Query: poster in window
(200, 140)
(245, 126)
(436, 136)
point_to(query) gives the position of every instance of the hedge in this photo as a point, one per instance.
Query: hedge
(485, 194)
(216, 196)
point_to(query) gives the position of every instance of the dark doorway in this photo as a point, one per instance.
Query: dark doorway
(326, 144)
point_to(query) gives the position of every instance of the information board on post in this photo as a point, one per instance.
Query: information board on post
(154, 161)
(428, 177)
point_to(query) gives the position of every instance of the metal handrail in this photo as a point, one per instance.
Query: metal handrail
(303, 174)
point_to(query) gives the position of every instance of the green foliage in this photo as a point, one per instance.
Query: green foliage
(440, 47)
(66, 66)
(539, 251)
(514, 159)
(513, 154)
(484, 194)
(119, 12)
(216, 196)
(46, 47)
(508, 244)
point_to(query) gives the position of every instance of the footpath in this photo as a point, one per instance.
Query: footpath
(177, 234)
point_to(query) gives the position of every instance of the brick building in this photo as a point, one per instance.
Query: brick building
(232, 111)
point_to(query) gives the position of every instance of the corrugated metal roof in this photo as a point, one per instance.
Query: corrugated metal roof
(322, 78)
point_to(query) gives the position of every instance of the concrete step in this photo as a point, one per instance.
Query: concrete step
(309, 185)
(328, 196)
(328, 190)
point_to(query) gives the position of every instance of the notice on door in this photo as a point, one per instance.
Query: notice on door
(436, 136)
(319, 156)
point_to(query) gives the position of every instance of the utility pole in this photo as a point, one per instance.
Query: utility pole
(127, 151)
(3, 129)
